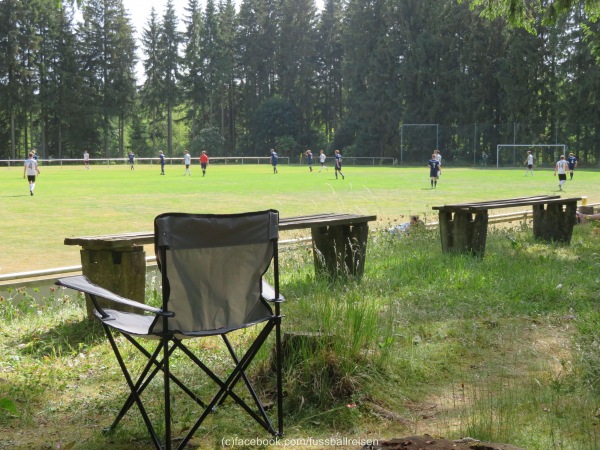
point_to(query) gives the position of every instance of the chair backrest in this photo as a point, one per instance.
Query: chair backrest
(212, 267)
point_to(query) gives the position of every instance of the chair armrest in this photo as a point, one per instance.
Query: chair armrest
(268, 293)
(83, 284)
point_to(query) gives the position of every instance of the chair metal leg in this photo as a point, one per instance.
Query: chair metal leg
(143, 381)
(248, 357)
(137, 399)
(144, 378)
(227, 386)
(279, 375)
(167, 388)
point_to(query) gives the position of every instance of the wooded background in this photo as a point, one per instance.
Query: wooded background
(241, 79)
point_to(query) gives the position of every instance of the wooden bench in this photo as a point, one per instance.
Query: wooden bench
(118, 262)
(463, 226)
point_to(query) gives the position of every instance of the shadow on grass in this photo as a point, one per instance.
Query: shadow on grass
(65, 338)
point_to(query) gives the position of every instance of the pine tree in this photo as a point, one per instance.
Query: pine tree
(169, 67)
(227, 90)
(256, 49)
(297, 62)
(193, 88)
(329, 100)
(151, 99)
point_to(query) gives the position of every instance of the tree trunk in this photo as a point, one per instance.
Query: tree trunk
(13, 147)
(169, 131)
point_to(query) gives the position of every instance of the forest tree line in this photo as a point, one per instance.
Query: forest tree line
(364, 76)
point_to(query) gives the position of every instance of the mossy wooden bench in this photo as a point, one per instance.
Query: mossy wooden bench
(463, 226)
(118, 262)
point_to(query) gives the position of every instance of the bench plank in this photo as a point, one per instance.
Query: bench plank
(126, 240)
(506, 203)
(323, 220)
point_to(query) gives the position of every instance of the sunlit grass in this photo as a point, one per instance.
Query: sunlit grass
(502, 348)
(70, 201)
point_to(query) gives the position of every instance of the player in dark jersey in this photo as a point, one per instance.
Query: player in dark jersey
(274, 160)
(572, 161)
(309, 159)
(434, 170)
(161, 155)
(338, 164)
(131, 158)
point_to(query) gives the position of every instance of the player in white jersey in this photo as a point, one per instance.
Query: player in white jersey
(322, 158)
(529, 162)
(561, 168)
(438, 158)
(30, 170)
(187, 160)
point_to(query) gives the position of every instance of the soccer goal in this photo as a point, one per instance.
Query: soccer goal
(514, 155)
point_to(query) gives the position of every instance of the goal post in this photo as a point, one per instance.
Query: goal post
(520, 148)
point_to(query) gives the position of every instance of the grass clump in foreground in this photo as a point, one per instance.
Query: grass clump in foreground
(503, 348)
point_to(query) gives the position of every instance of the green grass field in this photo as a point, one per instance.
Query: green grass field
(502, 348)
(70, 201)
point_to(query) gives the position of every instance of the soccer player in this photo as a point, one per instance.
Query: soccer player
(322, 158)
(338, 164)
(161, 155)
(30, 170)
(274, 160)
(86, 159)
(529, 162)
(572, 161)
(131, 157)
(438, 157)
(309, 159)
(203, 162)
(187, 160)
(561, 169)
(434, 170)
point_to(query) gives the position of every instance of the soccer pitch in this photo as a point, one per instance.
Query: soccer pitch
(72, 201)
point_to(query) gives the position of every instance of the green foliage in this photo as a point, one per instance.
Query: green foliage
(350, 74)
(286, 145)
(521, 13)
(8, 406)
(274, 118)
(209, 139)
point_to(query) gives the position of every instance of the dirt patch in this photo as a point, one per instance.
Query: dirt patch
(427, 442)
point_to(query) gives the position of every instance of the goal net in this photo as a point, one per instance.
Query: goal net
(515, 155)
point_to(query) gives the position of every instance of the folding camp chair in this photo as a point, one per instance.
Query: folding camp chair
(212, 269)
